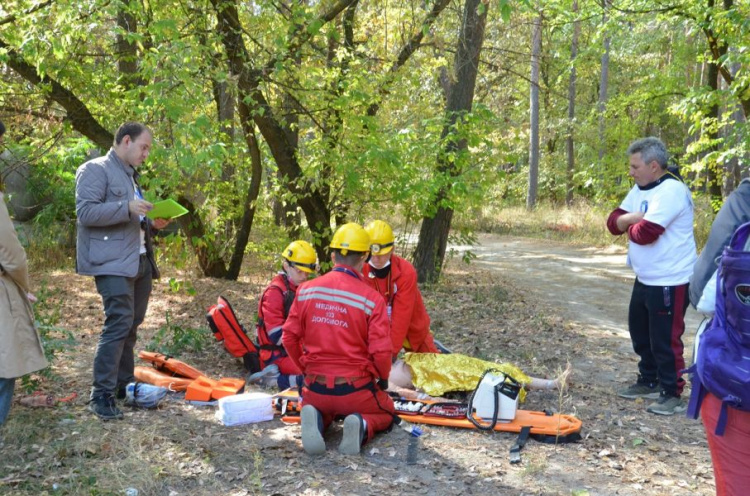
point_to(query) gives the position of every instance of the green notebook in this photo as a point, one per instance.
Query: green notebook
(166, 209)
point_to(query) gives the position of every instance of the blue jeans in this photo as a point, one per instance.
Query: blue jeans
(6, 397)
(125, 302)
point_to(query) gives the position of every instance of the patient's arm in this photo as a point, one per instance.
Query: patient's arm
(409, 394)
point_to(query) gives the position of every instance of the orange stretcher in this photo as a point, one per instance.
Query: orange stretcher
(555, 425)
(156, 377)
(169, 365)
(542, 426)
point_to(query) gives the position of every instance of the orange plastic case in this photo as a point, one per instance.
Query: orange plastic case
(200, 389)
(227, 387)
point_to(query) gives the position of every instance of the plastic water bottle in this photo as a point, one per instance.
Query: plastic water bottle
(412, 450)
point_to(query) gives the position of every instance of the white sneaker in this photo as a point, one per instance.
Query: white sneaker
(354, 434)
(312, 431)
(266, 378)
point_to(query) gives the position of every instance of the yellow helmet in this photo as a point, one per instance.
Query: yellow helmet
(351, 237)
(381, 237)
(302, 255)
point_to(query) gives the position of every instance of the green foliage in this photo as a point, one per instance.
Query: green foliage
(173, 339)
(319, 89)
(461, 243)
(176, 286)
(173, 250)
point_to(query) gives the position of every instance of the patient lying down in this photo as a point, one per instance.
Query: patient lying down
(431, 375)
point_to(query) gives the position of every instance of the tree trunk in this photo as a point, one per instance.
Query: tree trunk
(127, 50)
(285, 213)
(225, 110)
(433, 235)
(433, 242)
(254, 106)
(719, 48)
(250, 204)
(209, 261)
(603, 89)
(536, 50)
(712, 169)
(569, 143)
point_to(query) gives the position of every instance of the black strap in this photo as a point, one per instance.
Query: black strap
(515, 450)
(495, 413)
(338, 389)
(288, 296)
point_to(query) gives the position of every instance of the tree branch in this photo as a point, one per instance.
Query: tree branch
(77, 113)
(407, 51)
(669, 8)
(12, 17)
(301, 34)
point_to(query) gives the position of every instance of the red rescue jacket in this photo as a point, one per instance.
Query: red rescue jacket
(409, 318)
(273, 309)
(338, 327)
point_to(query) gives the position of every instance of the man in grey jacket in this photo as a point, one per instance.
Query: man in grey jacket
(115, 246)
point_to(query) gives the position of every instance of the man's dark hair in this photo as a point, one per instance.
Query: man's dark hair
(351, 258)
(132, 129)
(2, 128)
(651, 149)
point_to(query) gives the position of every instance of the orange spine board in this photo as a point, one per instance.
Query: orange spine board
(152, 376)
(168, 364)
(549, 425)
(540, 422)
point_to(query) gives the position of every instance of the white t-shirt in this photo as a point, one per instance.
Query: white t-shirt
(138, 196)
(669, 260)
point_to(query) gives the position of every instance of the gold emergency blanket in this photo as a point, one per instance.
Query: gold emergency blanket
(437, 374)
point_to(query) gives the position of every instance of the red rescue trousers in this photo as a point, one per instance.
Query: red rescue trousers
(287, 366)
(730, 453)
(376, 408)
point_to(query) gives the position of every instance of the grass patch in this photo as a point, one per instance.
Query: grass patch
(582, 224)
(172, 339)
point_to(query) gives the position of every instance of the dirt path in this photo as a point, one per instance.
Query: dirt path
(590, 286)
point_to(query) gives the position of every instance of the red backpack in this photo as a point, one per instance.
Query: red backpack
(225, 326)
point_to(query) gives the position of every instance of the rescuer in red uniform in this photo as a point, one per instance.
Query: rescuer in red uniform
(396, 281)
(338, 335)
(298, 262)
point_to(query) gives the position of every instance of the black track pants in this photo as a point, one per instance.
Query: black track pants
(656, 321)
